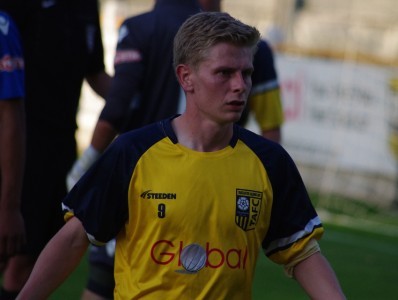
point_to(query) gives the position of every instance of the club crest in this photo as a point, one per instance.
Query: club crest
(248, 206)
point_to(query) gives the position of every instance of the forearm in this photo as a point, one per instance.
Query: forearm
(272, 134)
(100, 83)
(56, 262)
(12, 154)
(317, 278)
(104, 134)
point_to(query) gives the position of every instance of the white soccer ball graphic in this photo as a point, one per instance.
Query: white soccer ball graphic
(193, 258)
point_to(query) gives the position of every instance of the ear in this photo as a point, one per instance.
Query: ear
(184, 76)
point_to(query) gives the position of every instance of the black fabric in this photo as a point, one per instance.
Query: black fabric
(7, 295)
(146, 90)
(62, 45)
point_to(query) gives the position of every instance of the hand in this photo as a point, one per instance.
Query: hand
(12, 233)
(89, 156)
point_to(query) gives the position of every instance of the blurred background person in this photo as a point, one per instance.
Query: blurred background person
(62, 47)
(12, 139)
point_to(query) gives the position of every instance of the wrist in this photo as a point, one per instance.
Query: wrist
(90, 155)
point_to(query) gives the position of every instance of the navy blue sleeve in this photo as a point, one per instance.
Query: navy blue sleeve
(264, 66)
(100, 198)
(292, 209)
(129, 65)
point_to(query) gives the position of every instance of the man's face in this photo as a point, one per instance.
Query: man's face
(222, 82)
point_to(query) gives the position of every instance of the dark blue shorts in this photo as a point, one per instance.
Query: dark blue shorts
(100, 277)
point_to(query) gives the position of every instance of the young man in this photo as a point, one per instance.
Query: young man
(12, 139)
(191, 199)
(145, 90)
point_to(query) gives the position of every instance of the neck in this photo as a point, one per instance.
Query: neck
(205, 136)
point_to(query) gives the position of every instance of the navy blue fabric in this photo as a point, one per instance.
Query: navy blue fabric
(146, 91)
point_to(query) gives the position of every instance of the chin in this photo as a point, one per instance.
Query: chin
(234, 118)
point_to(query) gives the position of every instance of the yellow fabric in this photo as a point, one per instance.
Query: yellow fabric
(289, 255)
(68, 215)
(308, 250)
(267, 109)
(394, 84)
(163, 200)
(393, 142)
(158, 229)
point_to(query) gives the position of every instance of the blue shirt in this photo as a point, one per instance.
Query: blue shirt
(11, 60)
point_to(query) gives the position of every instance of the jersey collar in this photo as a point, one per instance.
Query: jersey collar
(169, 132)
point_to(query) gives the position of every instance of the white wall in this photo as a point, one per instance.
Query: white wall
(337, 125)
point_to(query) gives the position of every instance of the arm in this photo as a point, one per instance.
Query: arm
(265, 100)
(12, 158)
(103, 135)
(317, 278)
(273, 134)
(119, 91)
(57, 261)
(268, 112)
(100, 83)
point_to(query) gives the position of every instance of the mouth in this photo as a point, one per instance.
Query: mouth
(236, 104)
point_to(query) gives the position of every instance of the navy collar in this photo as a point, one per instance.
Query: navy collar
(169, 131)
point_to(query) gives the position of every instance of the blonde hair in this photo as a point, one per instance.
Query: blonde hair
(202, 31)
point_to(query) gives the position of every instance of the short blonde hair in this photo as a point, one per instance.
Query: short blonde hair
(202, 31)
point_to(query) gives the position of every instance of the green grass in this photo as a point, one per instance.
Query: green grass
(365, 263)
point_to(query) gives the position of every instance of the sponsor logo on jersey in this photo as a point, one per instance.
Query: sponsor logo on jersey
(10, 64)
(165, 196)
(127, 56)
(194, 257)
(248, 207)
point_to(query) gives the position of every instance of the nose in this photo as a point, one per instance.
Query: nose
(240, 82)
